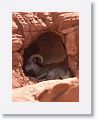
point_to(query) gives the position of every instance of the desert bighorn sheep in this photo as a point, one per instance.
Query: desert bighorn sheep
(34, 63)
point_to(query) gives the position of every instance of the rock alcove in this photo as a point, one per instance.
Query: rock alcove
(46, 58)
(45, 50)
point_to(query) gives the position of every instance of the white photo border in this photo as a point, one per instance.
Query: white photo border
(84, 104)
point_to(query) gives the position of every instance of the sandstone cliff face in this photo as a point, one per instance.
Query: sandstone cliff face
(26, 28)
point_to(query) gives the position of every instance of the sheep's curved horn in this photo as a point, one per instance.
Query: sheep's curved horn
(35, 56)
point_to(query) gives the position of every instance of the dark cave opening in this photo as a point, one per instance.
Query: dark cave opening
(46, 58)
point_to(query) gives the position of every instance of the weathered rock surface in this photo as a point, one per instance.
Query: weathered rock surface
(16, 44)
(35, 23)
(66, 90)
(14, 27)
(18, 78)
(17, 60)
(26, 28)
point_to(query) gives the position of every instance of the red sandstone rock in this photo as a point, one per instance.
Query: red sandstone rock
(67, 20)
(21, 21)
(52, 53)
(74, 64)
(72, 48)
(34, 23)
(16, 44)
(14, 27)
(17, 60)
(26, 27)
(49, 91)
(18, 78)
